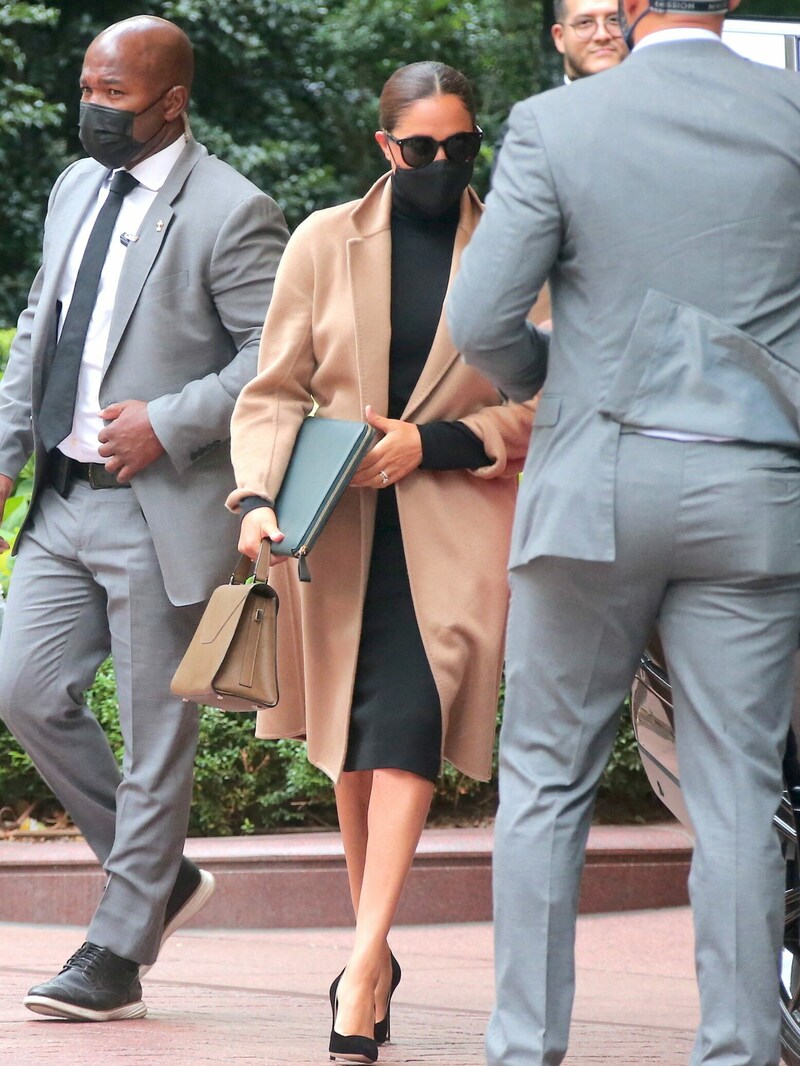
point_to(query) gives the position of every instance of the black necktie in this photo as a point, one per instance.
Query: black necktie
(58, 403)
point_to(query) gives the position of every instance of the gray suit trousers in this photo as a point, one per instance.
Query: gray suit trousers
(87, 582)
(708, 547)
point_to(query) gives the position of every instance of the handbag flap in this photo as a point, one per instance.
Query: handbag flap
(211, 641)
(222, 612)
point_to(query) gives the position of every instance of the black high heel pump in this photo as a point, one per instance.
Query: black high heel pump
(383, 1027)
(349, 1048)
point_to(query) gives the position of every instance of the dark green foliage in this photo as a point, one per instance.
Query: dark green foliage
(31, 151)
(286, 91)
(17, 505)
(6, 337)
(625, 794)
(243, 785)
(760, 9)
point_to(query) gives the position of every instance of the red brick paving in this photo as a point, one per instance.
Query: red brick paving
(238, 997)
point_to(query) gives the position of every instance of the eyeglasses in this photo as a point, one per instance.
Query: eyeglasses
(419, 151)
(586, 28)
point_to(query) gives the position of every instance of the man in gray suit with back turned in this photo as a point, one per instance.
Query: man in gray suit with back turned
(662, 202)
(142, 326)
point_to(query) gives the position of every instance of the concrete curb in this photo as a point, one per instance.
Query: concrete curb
(299, 880)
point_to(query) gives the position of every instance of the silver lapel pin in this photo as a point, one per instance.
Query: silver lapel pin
(159, 225)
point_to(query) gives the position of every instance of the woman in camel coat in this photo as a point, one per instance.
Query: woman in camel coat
(390, 658)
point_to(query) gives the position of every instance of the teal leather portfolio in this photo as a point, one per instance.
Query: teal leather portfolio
(327, 453)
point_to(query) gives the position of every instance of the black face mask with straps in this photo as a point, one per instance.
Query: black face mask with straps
(107, 133)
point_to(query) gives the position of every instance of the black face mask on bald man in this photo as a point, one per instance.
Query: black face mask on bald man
(107, 133)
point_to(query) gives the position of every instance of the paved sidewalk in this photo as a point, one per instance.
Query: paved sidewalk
(240, 997)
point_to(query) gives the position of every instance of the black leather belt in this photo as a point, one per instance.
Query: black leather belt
(96, 474)
(62, 470)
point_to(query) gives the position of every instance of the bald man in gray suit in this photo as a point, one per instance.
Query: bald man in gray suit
(123, 386)
(662, 203)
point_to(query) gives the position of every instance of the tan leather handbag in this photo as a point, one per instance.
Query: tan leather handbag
(231, 661)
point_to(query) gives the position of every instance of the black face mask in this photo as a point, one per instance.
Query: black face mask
(107, 133)
(432, 189)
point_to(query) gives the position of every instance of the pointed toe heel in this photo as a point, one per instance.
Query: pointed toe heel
(352, 1048)
(348, 1048)
(383, 1028)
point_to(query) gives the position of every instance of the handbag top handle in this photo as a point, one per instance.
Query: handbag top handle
(244, 568)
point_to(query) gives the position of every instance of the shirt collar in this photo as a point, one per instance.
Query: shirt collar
(680, 33)
(154, 171)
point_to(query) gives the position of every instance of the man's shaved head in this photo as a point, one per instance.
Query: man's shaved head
(143, 66)
(159, 49)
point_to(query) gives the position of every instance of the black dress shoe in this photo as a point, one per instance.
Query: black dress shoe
(192, 890)
(95, 985)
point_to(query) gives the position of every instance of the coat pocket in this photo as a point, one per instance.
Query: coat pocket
(548, 411)
(158, 286)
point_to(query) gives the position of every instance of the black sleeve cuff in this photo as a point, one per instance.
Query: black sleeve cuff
(252, 503)
(451, 446)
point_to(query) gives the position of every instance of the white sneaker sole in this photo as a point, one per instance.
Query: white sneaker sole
(198, 899)
(56, 1008)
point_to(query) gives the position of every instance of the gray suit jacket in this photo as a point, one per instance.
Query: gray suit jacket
(184, 338)
(662, 201)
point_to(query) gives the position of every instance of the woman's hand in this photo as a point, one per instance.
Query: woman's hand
(257, 525)
(397, 454)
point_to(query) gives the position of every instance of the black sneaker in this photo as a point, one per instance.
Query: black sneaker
(95, 985)
(193, 889)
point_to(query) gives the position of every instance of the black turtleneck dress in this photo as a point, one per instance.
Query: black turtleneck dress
(396, 718)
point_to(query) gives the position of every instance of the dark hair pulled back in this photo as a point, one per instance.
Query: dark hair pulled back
(418, 81)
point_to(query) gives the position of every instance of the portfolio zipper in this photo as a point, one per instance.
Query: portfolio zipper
(300, 554)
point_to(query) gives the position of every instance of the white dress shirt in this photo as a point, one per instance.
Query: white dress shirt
(82, 443)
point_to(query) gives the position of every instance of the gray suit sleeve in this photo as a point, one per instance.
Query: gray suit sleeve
(242, 274)
(506, 264)
(16, 429)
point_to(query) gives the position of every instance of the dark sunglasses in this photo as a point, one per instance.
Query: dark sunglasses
(419, 151)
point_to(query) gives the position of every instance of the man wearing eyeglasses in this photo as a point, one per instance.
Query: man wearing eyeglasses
(587, 34)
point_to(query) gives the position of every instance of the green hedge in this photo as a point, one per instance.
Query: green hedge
(243, 785)
(6, 337)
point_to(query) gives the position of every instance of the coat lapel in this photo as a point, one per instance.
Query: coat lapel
(369, 265)
(141, 256)
(443, 352)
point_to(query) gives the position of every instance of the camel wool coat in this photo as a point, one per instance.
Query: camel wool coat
(326, 341)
